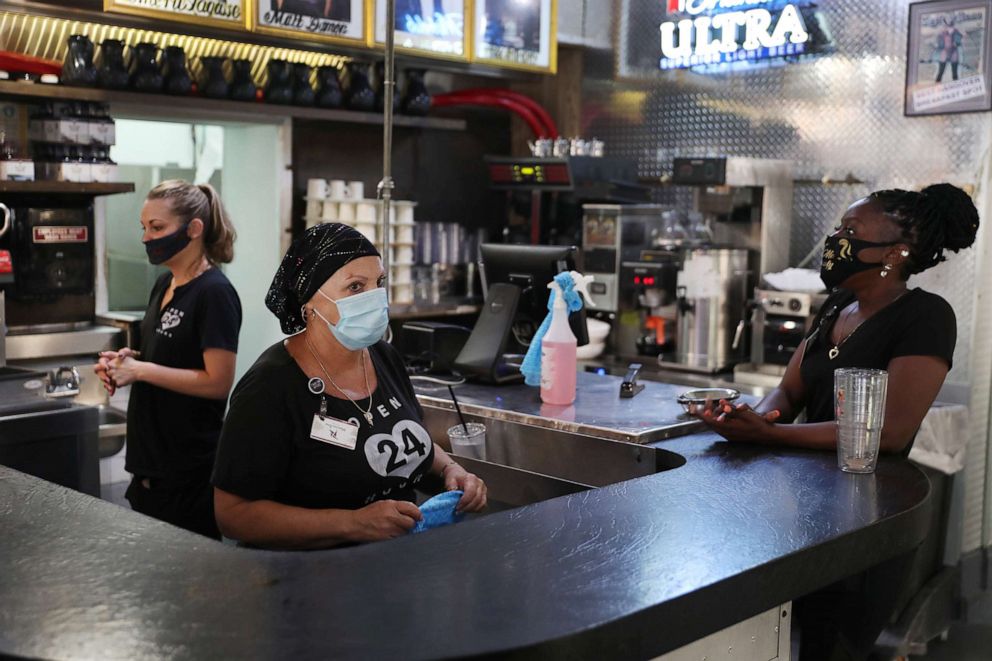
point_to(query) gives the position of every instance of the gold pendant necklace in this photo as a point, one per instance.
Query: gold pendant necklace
(366, 413)
(833, 353)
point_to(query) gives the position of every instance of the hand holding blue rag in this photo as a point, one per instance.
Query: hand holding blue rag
(439, 511)
(531, 366)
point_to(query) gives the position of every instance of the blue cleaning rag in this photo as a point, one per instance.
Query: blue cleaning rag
(531, 367)
(439, 511)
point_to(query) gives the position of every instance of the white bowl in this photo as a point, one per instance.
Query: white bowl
(591, 350)
(598, 330)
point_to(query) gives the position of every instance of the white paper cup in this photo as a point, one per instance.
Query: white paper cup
(404, 211)
(368, 229)
(365, 211)
(329, 211)
(401, 273)
(346, 212)
(314, 208)
(471, 444)
(402, 233)
(316, 189)
(402, 294)
(338, 189)
(356, 190)
(311, 222)
(403, 254)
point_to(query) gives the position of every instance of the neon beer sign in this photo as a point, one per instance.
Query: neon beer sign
(725, 31)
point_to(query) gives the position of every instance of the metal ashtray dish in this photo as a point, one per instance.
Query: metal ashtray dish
(702, 395)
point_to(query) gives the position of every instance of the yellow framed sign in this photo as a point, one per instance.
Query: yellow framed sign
(516, 34)
(335, 21)
(230, 14)
(436, 28)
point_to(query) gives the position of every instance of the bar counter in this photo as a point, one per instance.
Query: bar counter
(632, 569)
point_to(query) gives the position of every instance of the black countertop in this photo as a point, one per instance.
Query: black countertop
(633, 569)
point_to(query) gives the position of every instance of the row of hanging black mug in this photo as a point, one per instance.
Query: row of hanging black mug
(288, 82)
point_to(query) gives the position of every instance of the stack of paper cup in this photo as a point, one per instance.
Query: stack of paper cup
(346, 212)
(402, 233)
(355, 190)
(404, 211)
(337, 189)
(329, 211)
(316, 189)
(313, 212)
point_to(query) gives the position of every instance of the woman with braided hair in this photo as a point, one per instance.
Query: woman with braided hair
(870, 320)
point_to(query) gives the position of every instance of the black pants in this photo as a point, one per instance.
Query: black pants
(187, 501)
(942, 66)
(842, 621)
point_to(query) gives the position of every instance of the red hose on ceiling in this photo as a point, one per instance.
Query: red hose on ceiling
(530, 103)
(479, 99)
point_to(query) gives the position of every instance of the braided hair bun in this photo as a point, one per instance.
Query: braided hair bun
(938, 218)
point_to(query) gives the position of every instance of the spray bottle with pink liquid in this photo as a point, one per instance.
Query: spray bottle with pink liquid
(558, 361)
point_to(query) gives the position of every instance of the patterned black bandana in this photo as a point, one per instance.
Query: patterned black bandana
(310, 261)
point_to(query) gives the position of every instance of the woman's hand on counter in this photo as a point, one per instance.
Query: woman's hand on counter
(738, 423)
(384, 519)
(475, 493)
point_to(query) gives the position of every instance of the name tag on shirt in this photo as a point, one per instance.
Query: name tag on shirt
(333, 431)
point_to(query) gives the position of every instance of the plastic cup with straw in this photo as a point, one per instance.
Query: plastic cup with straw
(468, 439)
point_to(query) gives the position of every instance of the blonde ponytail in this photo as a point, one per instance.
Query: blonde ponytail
(188, 202)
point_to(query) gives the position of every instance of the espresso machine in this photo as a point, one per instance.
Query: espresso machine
(673, 280)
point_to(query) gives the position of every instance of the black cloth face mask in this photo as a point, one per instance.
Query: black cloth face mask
(840, 259)
(166, 247)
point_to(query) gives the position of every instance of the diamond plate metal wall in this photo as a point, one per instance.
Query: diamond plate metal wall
(838, 114)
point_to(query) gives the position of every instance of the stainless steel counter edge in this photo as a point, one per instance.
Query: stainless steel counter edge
(634, 569)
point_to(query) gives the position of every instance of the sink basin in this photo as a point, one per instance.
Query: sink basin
(575, 458)
(113, 430)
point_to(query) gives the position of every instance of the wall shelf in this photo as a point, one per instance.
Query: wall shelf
(195, 106)
(64, 187)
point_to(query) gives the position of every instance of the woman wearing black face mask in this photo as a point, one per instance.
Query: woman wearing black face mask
(871, 320)
(183, 374)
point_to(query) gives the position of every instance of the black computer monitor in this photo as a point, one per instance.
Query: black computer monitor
(530, 268)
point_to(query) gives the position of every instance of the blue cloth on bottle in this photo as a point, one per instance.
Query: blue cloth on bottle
(531, 366)
(439, 511)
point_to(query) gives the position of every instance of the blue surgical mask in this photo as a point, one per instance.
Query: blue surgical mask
(362, 318)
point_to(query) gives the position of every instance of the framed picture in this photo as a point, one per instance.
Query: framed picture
(519, 34)
(947, 61)
(335, 21)
(217, 13)
(435, 27)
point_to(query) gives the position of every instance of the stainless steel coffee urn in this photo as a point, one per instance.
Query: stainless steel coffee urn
(712, 291)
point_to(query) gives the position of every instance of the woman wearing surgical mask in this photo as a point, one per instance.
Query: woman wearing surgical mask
(183, 373)
(324, 441)
(870, 320)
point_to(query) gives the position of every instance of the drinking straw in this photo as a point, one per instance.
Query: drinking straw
(458, 409)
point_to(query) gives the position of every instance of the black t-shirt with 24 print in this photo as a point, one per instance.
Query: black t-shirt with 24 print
(170, 434)
(266, 451)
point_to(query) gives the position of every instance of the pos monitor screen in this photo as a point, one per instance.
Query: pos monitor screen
(530, 268)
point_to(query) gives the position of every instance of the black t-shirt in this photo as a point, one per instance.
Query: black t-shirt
(266, 451)
(917, 324)
(168, 433)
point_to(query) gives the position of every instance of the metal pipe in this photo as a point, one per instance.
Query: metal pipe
(385, 187)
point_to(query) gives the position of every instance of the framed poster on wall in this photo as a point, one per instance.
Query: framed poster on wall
(216, 13)
(336, 21)
(947, 61)
(519, 34)
(434, 27)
